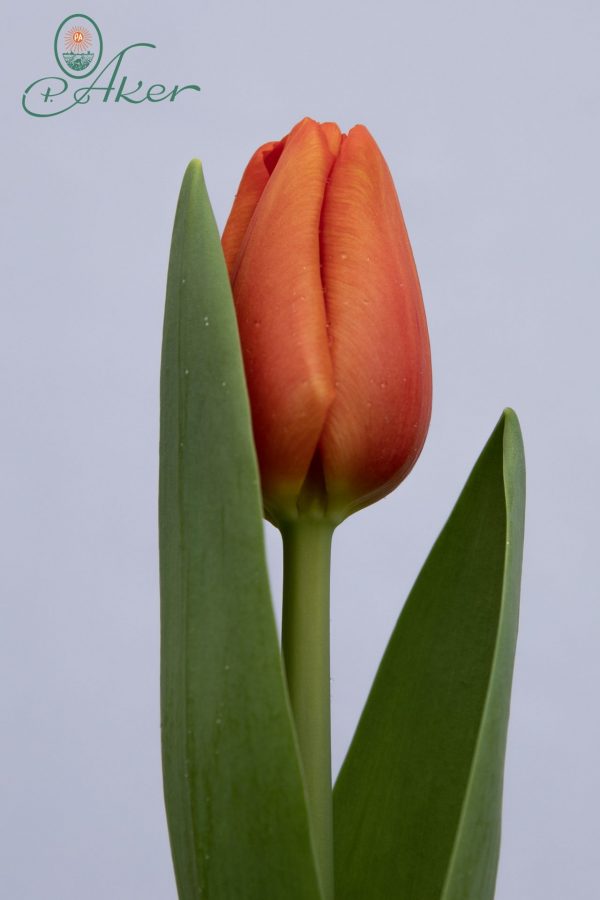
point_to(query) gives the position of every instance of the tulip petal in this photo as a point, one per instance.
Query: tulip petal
(378, 332)
(281, 313)
(253, 183)
(333, 136)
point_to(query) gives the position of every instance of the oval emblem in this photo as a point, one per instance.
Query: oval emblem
(78, 45)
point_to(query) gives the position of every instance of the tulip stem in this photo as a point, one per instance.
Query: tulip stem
(305, 645)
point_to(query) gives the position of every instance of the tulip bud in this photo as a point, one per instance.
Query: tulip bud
(331, 322)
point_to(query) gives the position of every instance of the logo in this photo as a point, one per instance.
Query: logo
(78, 48)
(77, 44)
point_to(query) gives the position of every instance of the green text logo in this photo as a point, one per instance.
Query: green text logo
(78, 48)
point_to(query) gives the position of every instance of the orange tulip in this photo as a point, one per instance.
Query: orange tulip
(331, 321)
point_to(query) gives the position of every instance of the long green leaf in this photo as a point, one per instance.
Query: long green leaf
(417, 804)
(235, 800)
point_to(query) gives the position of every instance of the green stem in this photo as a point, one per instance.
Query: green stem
(305, 644)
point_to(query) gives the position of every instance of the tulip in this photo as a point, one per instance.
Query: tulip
(331, 322)
(336, 355)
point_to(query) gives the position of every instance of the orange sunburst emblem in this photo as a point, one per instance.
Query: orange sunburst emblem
(78, 39)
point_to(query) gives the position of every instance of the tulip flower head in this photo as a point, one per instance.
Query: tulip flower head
(331, 322)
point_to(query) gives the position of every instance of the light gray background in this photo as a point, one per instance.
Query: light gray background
(488, 116)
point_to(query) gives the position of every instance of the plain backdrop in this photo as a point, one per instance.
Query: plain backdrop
(488, 115)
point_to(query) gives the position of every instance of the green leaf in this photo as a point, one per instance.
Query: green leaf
(417, 804)
(235, 800)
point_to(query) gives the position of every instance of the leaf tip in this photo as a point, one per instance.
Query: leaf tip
(513, 436)
(510, 417)
(513, 451)
(193, 176)
(194, 167)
